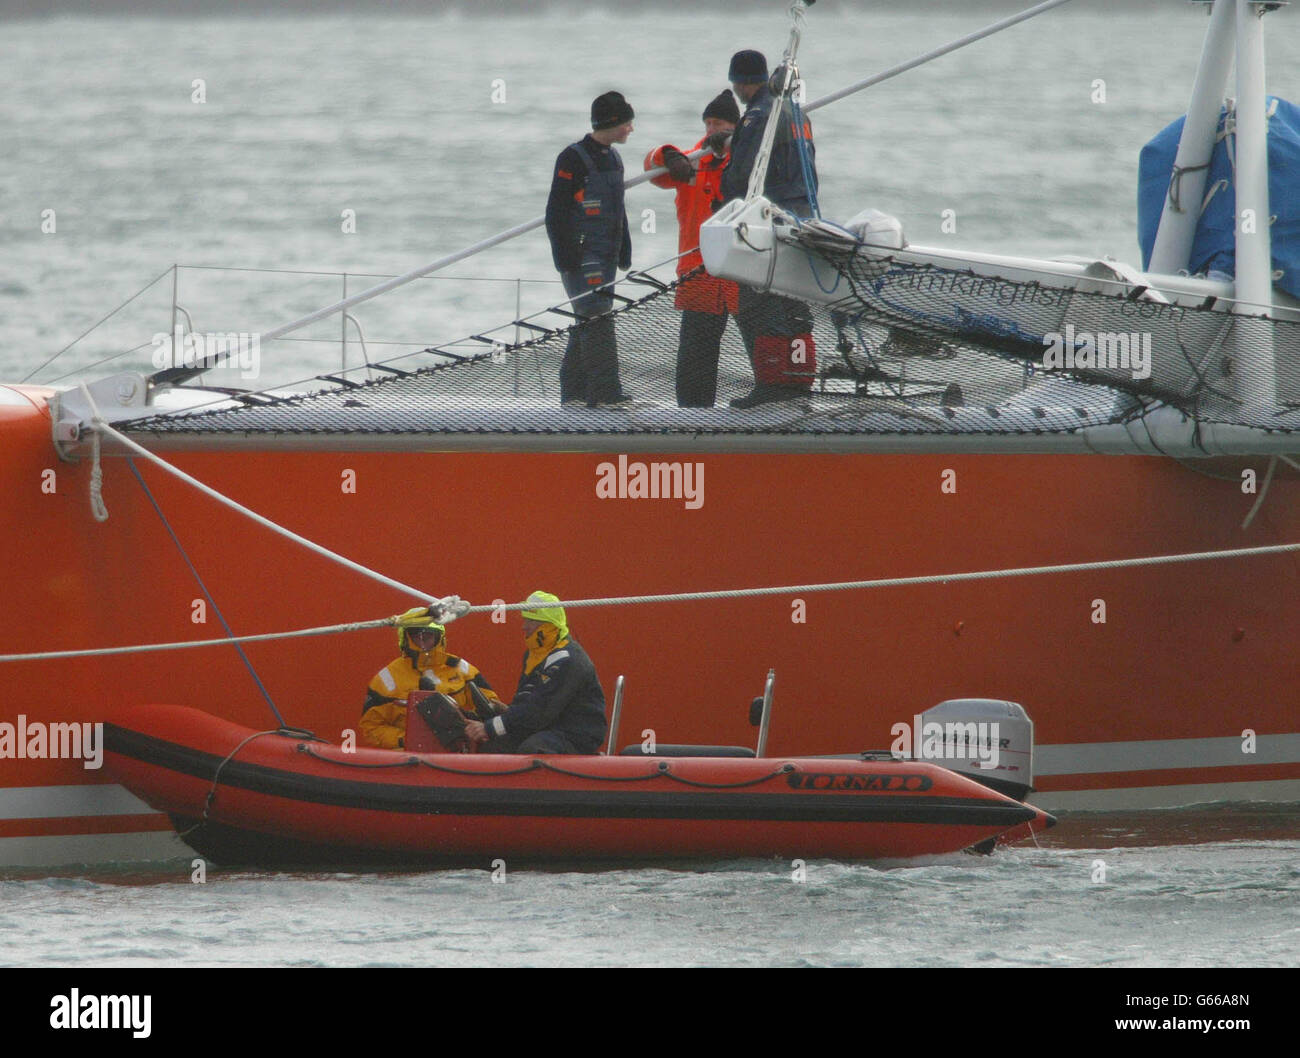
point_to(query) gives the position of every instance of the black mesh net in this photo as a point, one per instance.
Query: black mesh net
(907, 349)
(1133, 342)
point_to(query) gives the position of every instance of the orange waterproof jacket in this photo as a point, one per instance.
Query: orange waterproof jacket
(695, 200)
(383, 717)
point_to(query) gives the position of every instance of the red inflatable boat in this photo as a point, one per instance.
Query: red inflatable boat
(286, 798)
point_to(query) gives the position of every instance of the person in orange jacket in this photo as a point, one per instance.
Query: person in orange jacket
(705, 301)
(424, 664)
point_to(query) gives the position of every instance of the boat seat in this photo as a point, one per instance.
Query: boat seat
(668, 750)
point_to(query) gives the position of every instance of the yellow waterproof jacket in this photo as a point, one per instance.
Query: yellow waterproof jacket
(383, 717)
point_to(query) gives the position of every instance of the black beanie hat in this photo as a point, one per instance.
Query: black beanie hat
(609, 110)
(724, 108)
(748, 67)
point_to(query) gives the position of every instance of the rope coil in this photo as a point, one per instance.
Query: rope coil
(97, 506)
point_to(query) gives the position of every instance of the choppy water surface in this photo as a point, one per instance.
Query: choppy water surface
(1195, 887)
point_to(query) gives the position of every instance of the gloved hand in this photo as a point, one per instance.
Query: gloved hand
(718, 142)
(778, 79)
(678, 165)
(482, 703)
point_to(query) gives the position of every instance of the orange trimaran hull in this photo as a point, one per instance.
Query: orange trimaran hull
(1187, 659)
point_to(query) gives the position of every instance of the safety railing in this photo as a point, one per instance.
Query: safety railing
(184, 315)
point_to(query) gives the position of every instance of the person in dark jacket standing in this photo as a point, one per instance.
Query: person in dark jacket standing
(587, 225)
(559, 706)
(785, 185)
(777, 330)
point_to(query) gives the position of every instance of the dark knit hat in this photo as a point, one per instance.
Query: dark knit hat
(748, 67)
(724, 108)
(609, 110)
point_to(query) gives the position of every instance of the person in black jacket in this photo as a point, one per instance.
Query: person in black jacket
(777, 330)
(590, 239)
(785, 184)
(559, 706)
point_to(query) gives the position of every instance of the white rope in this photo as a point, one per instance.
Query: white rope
(300, 633)
(1259, 502)
(103, 427)
(758, 174)
(894, 582)
(97, 507)
(935, 53)
(463, 608)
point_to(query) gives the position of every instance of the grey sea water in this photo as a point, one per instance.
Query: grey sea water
(1208, 887)
(439, 131)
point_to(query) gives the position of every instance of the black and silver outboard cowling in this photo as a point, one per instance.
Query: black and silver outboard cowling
(986, 739)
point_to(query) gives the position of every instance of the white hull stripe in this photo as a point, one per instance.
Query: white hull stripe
(1088, 758)
(1137, 798)
(51, 802)
(156, 846)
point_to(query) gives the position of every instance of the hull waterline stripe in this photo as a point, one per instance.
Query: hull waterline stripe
(39, 802)
(1165, 777)
(33, 828)
(1143, 756)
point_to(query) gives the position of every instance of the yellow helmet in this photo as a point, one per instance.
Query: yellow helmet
(541, 607)
(417, 618)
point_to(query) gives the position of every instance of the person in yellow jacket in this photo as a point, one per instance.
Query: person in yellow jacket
(424, 664)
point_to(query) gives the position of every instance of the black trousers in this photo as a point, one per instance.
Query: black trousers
(589, 370)
(699, 346)
(538, 742)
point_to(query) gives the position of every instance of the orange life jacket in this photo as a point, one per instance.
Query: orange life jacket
(695, 198)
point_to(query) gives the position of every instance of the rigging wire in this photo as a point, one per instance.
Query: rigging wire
(41, 366)
(537, 222)
(230, 632)
(453, 607)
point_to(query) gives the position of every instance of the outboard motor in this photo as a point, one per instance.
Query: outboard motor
(985, 739)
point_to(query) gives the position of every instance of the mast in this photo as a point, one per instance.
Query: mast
(1173, 248)
(1257, 368)
(758, 174)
